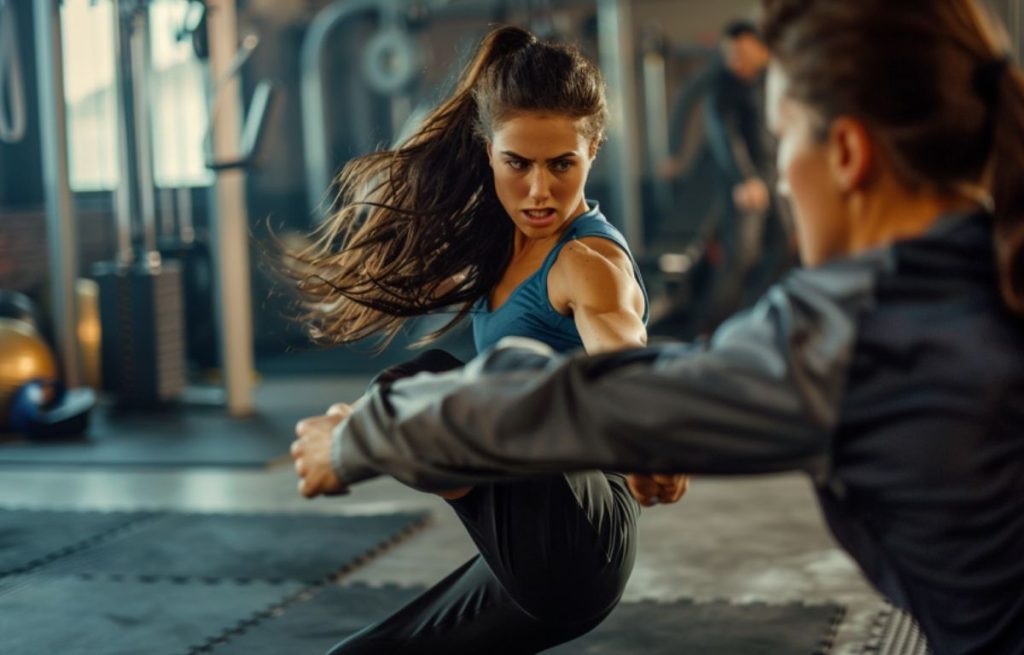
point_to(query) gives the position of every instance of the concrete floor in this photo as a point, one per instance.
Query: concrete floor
(740, 539)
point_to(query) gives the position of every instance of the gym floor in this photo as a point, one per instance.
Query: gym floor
(740, 539)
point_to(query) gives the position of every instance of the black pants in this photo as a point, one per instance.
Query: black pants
(555, 555)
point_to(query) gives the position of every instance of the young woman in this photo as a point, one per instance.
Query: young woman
(891, 369)
(484, 209)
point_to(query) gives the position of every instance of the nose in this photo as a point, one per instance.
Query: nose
(540, 185)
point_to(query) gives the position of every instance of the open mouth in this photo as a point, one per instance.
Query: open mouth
(540, 217)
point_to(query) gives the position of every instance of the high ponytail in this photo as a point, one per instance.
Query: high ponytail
(1008, 185)
(417, 229)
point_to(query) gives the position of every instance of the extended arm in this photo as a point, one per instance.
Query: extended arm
(764, 397)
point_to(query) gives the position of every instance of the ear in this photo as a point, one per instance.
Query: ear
(851, 153)
(595, 143)
(490, 154)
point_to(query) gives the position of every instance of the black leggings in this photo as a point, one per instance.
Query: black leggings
(555, 554)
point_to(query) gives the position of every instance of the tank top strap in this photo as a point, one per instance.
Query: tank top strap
(591, 224)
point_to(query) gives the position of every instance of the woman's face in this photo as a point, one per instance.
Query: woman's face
(805, 175)
(540, 164)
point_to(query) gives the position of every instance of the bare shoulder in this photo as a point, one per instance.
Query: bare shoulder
(588, 253)
(593, 271)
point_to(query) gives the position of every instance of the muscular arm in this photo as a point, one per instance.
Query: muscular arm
(593, 280)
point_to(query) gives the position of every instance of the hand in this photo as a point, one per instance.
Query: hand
(311, 451)
(669, 168)
(650, 490)
(751, 196)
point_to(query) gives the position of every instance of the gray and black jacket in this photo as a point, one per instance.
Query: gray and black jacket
(894, 379)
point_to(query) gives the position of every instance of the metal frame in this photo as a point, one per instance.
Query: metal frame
(231, 229)
(314, 121)
(61, 226)
(618, 61)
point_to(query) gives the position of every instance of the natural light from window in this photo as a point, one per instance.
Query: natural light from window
(176, 87)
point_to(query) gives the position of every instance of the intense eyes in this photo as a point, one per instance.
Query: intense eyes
(556, 166)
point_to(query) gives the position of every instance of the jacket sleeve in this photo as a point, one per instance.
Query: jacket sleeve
(762, 397)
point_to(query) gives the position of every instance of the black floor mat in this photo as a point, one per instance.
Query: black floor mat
(31, 538)
(191, 435)
(163, 582)
(716, 627)
(88, 616)
(266, 547)
(315, 624)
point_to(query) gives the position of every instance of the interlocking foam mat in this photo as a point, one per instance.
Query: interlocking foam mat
(300, 547)
(117, 615)
(332, 613)
(172, 582)
(167, 582)
(31, 538)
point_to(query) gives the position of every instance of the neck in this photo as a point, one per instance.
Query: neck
(898, 214)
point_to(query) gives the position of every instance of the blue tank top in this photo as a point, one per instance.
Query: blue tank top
(528, 311)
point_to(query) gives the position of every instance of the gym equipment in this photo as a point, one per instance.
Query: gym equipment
(89, 330)
(391, 61)
(45, 409)
(142, 345)
(24, 358)
(18, 306)
(12, 87)
(61, 224)
(33, 401)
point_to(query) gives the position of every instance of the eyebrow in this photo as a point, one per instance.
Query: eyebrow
(564, 155)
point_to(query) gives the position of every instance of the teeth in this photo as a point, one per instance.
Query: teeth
(538, 213)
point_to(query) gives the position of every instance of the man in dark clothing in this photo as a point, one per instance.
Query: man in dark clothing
(748, 247)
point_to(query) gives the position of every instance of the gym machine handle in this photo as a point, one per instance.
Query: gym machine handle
(256, 118)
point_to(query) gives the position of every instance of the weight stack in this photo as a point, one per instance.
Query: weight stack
(143, 342)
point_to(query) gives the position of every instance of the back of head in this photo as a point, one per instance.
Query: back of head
(932, 82)
(420, 228)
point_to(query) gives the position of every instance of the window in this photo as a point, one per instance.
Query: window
(176, 89)
(88, 34)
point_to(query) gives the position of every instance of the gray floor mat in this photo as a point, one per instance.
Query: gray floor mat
(332, 613)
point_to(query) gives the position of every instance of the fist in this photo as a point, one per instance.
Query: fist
(652, 489)
(311, 453)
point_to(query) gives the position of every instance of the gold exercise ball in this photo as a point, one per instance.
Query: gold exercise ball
(24, 356)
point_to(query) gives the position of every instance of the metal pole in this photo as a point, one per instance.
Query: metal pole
(61, 226)
(230, 218)
(615, 41)
(314, 119)
(140, 66)
(124, 194)
(656, 120)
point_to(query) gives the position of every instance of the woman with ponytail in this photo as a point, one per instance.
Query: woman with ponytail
(890, 368)
(482, 209)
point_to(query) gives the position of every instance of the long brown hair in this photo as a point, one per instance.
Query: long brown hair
(420, 227)
(933, 81)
